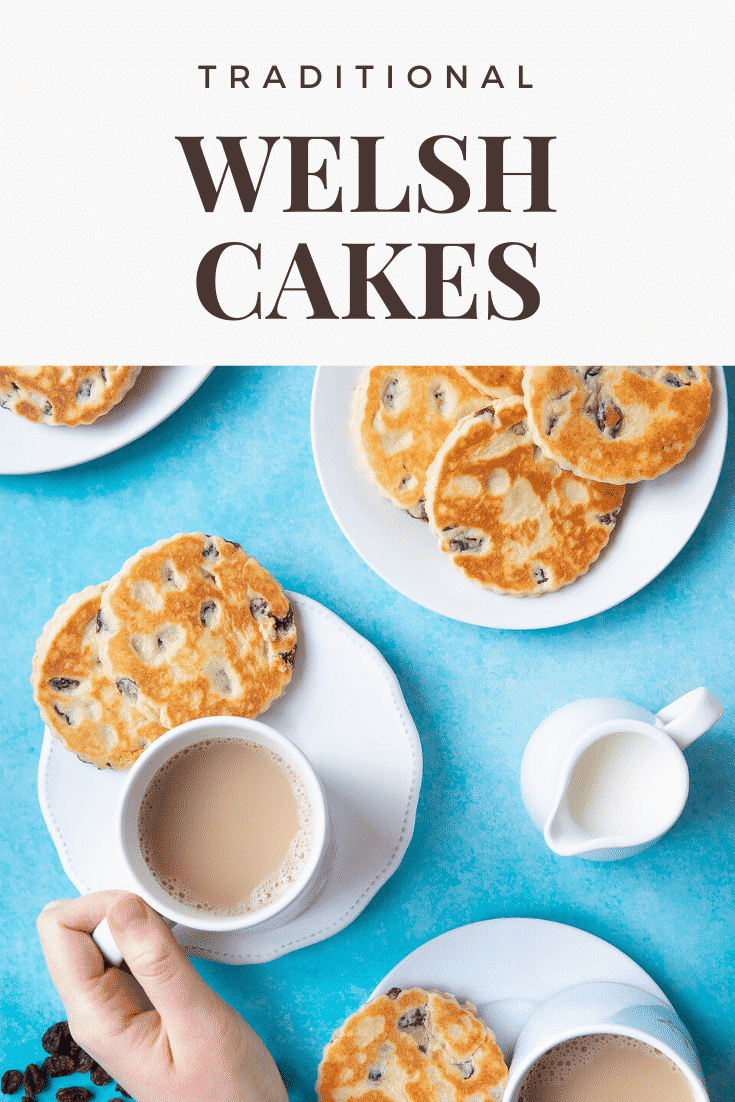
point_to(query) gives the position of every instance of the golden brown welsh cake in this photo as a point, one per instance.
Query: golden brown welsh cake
(412, 1046)
(496, 382)
(616, 424)
(193, 626)
(64, 395)
(509, 518)
(400, 417)
(78, 703)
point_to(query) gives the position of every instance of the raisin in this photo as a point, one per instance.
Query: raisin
(33, 1081)
(62, 685)
(99, 1076)
(389, 393)
(609, 418)
(235, 544)
(283, 623)
(209, 551)
(48, 408)
(465, 543)
(259, 608)
(83, 1060)
(608, 518)
(59, 1064)
(64, 715)
(208, 613)
(103, 373)
(128, 689)
(591, 372)
(674, 380)
(374, 1074)
(73, 1094)
(394, 992)
(288, 656)
(85, 389)
(122, 1090)
(414, 1017)
(57, 1037)
(539, 575)
(11, 1080)
(466, 1069)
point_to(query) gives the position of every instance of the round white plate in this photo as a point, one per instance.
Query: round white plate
(26, 448)
(657, 519)
(507, 967)
(345, 710)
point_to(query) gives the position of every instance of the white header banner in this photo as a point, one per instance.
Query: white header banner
(322, 183)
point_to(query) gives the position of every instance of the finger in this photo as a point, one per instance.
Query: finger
(74, 961)
(171, 983)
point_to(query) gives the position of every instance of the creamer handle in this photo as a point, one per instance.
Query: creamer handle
(690, 716)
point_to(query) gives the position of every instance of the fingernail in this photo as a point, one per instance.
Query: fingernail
(128, 913)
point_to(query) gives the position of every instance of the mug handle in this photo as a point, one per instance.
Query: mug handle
(690, 716)
(105, 942)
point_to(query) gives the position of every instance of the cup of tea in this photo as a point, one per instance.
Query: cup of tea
(222, 825)
(605, 1042)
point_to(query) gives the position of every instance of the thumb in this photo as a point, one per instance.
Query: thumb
(159, 965)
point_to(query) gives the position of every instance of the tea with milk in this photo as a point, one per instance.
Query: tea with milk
(225, 826)
(604, 1068)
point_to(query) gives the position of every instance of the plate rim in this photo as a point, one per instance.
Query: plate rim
(478, 931)
(718, 444)
(157, 415)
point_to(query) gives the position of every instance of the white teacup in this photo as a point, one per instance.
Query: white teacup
(615, 1009)
(138, 876)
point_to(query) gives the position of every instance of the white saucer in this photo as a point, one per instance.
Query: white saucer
(657, 519)
(507, 967)
(26, 448)
(344, 708)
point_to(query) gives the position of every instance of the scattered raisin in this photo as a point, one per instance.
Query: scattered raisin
(33, 1081)
(122, 1090)
(288, 656)
(57, 1037)
(83, 1060)
(59, 1064)
(394, 992)
(11, 1080)
(73, 1094)
(99, 1076)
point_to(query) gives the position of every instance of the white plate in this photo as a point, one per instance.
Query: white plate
(26, 448)
(658, 518)
(344, 708)
(507, 967)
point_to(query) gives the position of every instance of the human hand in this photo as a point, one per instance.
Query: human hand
(160, 1031)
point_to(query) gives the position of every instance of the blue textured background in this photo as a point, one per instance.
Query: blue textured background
(236, 460)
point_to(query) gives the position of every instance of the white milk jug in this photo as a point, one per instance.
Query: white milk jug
(603, 778)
